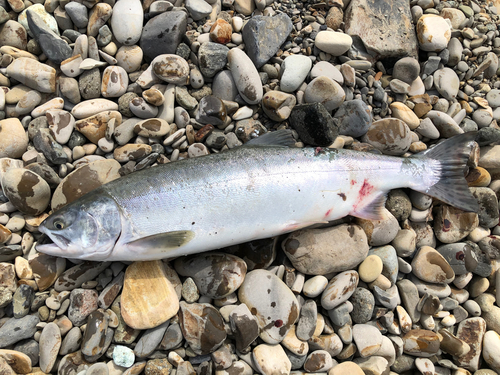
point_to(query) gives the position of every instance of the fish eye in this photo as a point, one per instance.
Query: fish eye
(59, 224)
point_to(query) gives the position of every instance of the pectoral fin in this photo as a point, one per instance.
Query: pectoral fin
(162, 242)
(371, 209)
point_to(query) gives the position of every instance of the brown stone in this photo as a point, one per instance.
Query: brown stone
(471, 331)
(83, 180)
(46, 269)
(221, 31)
(334, 18)
(94, 127)
(19, 362)
(421, 343)
(148, 298)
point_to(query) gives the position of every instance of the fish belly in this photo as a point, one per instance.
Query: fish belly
(249, 194)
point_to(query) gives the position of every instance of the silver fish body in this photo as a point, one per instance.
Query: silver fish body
(249, 193)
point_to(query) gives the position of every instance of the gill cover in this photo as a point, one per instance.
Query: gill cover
(88, 227)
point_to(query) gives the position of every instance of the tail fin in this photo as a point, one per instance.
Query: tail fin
(452, 188)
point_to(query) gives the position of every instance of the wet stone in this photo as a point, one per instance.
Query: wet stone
(202, 327)
(95, 333)
(277, 312)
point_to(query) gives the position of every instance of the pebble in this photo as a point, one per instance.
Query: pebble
(310, 252)
(50, 342)
(326, 91)
(276, 313)
(295, 69)
(134, 302)
(433, 33)
(129, 32)
(271, 359)
(332, 42)
(245, 76)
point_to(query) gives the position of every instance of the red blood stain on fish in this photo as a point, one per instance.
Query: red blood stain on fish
(318, 151)
(353, 182)
(328, 213)
(366, 189)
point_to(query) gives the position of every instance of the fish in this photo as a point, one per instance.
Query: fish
(251, 192)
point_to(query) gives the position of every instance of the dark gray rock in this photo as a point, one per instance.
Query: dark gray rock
(363, 303)
(264, 35)
(488, 206)
(374, 36)
(314, 124)
(354, 118)
(212, 58)
(486, 136)
(89, 83)
(52, 45)
(47, 145)
(76, 139)
(163, 33)
(15, 330)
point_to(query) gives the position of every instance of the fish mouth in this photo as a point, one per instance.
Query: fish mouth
(58, 242)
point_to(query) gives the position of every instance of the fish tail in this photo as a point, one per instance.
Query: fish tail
(449, 162)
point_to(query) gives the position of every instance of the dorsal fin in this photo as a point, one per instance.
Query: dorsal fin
(278, 138)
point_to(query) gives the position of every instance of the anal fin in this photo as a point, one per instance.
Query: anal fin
(162, 242)
(295, 225)
(371, 207)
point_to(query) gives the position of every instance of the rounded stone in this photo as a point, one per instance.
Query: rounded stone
(26, 190)
(339, 289)
(13, 138)
(433, 33)
(114, 81)
(326, 91)
(129, 58)
(126, 21)
(294, 70)
(50, 342)
(271, 302)
(332, 42)
(171, 68)
(245, 76)
(389, 135)
(370, 268)
(278, 105)
(406, 69)
(312, 253)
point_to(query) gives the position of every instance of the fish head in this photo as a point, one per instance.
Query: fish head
(87, 228)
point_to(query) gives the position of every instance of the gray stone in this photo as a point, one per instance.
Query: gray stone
(354, 118)
(488, 206)
(15, 330)
(307, 320)
(264, 35)
(406, 69)
(89, 84)
(163, 33)
(22, 299)
(55, 48)
(366, 22)
(363, 303)
(212, 58)
(78, 14)
(150, 340)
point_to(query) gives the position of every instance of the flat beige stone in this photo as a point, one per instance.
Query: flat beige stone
(343, 368)
(148, 298)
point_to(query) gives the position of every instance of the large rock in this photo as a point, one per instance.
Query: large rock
(263, 36)
(163, 33)
(322, 251)
(381, 36)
